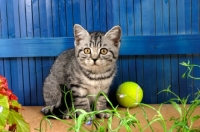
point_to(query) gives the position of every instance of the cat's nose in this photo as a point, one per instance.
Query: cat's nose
(94, 60)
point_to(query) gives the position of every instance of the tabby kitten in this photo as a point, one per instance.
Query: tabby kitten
(87, 69)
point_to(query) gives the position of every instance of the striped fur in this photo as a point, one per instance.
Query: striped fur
(87, 69)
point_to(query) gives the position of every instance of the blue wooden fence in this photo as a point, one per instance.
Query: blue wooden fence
(157, 36)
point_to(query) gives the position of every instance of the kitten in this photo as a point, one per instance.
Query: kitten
(87, 69)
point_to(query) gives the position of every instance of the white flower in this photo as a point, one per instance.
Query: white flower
(1, 109)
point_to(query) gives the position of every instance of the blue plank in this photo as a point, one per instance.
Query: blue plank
(140, 71)
(39, 79)
(63, 33)
(138, 15)
(160, 78)
(159, 59)
(4, 23)
(123, 24)
(196, 73)
(138, 31)
(174, 58)
(76, 11)
(26, 82)
(10, 17)
(195, 11)
(22, 17)
(125, 68)
(17, 83)
(123, 17)
(165, 14)
(109, 14)
(172, 44)
(4, 34)
(130, 17)
(16, 18)
(188, 29)
(56, 21)
(89, 16)
(167, 74)
(132, 68)
(7, 71)
(190, 82)
(62, 15)
(15, 68)
(42, 18)
(38, 60)
(181, 16)
(33, 88)
(181, 30)
(148, 23)
(188, 17)
(36, 18)
(195, 30)
(103, 15)
(70, 22)
(131, 32)
(29, 17)
(49, 18)
(175, 75)
(173, 17)
(148, 45)
(82, 13)
(96, 14)
(115, 11)
(31, 61)
(167, 60)
(24, 24)
(149, 87)
(32, 47)
(159, 17)
(2, 67)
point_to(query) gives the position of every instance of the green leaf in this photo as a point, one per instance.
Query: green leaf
(177, 107)
(16, 118)
(196, 117)
(15, 103)
(4, 111)
(185, 64)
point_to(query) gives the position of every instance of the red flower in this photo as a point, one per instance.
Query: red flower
(2, 79)
(4, 90)
(13, 97)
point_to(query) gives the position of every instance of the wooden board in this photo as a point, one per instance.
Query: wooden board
(33, 116)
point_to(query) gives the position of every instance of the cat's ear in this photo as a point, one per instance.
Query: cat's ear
(114, 34)
(79, 33)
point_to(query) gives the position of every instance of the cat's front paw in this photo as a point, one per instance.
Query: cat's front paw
(47, 109)
(104, 115)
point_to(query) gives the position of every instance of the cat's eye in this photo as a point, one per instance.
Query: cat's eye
(87, 51)
(104, 51)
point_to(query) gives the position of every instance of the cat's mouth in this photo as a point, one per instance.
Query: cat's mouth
(95, 65)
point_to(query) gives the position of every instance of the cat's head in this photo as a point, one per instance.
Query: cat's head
(97, 51)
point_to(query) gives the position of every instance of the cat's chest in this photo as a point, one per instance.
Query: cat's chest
(96, 86)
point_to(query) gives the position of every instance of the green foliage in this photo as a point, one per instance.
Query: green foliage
(183, 123)
(16, 118)
(10, 116)
(4, 111)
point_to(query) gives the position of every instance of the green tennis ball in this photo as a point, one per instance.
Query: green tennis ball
(129, 94)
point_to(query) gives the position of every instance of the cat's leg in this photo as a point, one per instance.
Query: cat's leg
(80, 99)
(52, 94)
(101, 104)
